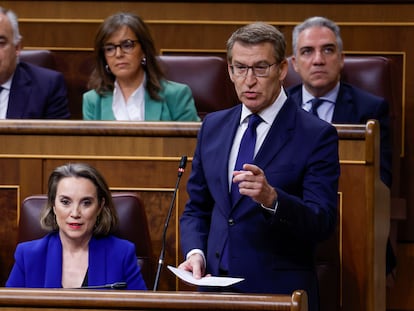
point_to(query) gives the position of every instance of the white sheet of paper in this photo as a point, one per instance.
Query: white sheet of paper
(205, 281)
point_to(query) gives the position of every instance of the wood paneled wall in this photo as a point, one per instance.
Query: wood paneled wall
(181, 26)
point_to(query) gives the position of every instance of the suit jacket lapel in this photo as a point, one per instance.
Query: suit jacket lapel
(224, 153)
(153, 108)
(97, 262)
(106, 112)
(53, 262)
(20, 92)
(343, 112)
(279, 134)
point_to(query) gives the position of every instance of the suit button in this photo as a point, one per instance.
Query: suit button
(217, 255)
(231, 221)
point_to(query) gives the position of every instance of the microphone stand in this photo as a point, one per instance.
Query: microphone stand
(181, 168)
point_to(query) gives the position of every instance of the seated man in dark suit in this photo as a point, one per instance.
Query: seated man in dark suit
(27, 91)
(318, 58)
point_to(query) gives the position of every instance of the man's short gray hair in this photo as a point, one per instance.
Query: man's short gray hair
(14, 23)
(316, 21)
(256, 33)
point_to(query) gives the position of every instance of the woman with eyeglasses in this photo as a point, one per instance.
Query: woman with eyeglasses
(127, 82)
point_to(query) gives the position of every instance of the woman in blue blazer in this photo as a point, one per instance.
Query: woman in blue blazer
(127, 82)
(80, 250)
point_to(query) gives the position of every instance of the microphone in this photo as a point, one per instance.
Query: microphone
(116, 285)
(181, 169)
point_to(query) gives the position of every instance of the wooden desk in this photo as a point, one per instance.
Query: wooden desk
(144, 157)
(62, 299)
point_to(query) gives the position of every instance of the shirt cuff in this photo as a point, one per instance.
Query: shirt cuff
(271, 209)
(196, 251)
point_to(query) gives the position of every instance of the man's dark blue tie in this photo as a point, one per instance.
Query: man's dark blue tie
(246, 151)
(245, 155)
(316, 102)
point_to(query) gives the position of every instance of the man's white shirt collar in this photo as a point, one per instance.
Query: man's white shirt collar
(269, 113)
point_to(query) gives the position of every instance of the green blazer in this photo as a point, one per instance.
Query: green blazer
(176, 104)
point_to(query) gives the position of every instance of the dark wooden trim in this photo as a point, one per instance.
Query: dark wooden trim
(277, 1)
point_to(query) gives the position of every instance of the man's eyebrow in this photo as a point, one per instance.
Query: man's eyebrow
(329, 45)
(307, 47)
(259, 62)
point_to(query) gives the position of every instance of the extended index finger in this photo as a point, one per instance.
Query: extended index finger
(253, 168)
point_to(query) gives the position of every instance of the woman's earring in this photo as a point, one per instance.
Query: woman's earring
(144, 61)
(107, 69)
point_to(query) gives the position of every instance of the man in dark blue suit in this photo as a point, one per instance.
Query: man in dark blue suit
(318, 58)
(27, 91)
(285, 197)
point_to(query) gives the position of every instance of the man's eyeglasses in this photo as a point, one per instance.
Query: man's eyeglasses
(258, 70)
(126, 47)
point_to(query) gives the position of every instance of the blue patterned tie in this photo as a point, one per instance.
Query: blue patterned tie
(316, 102)
(246, 151)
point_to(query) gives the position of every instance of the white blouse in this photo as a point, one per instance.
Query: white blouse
(134, 108)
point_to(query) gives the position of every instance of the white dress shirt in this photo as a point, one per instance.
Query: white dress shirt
(131, 110)
(4, 97)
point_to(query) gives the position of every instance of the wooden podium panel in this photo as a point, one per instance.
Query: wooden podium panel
(364, 219)
(144, 157)
(65, 299)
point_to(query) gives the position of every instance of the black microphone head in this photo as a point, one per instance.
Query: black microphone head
(183, 162)
(181, 167)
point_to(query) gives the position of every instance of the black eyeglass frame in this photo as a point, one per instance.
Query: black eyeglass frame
(265, 67)
(110, 49)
